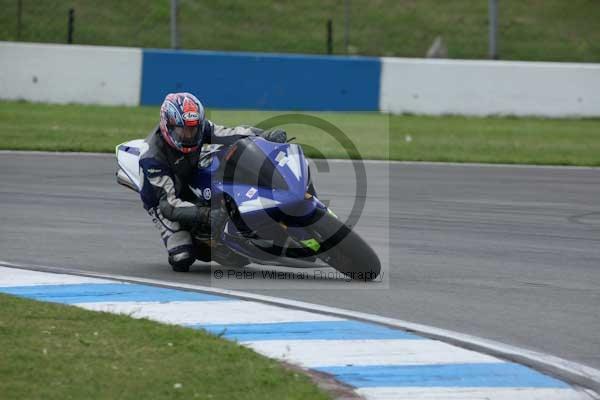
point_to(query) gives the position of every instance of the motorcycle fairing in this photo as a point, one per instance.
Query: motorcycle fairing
(277, 207)
(128, 158)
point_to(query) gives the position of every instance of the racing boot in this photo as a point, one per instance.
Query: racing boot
(182, 259)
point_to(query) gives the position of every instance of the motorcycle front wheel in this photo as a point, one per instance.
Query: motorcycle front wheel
(343, 249)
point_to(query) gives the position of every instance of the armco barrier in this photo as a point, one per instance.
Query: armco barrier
(70, 74)
(490, 87)
(263, 81)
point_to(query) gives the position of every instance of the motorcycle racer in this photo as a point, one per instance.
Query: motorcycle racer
(169, 165)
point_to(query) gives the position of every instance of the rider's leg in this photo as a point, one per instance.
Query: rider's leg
(177, 241)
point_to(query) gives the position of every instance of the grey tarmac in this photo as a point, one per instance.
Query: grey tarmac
(505, 253)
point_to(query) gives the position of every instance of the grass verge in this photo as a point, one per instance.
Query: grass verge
(28, 126)
(556, 30)
(54, 351)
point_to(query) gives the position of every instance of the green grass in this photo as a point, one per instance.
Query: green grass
(52, 351)
(556, 30)
(497, 140)
(28, 126)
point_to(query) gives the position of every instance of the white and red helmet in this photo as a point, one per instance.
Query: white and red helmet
(182, 121)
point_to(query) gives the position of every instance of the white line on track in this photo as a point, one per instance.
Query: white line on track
(207, 312)
(317, 353)
(395, 393)
(30, 278)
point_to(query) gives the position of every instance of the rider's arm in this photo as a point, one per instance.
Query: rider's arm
(158, 189)
(218, 134)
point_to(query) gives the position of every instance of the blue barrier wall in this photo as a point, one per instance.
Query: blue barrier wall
(263, 81)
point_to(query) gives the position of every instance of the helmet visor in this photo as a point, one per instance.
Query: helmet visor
(186, 136)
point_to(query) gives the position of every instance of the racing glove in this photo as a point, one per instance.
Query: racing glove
(210, 220)
(275, 135)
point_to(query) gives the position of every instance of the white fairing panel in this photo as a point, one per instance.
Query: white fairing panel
(128, 157)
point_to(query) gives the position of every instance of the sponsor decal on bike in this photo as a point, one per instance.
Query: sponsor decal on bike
(282, 158)
(311, 244)
(259, 203)
(251, 192)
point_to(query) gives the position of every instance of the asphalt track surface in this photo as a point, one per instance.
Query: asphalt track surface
(506, 253)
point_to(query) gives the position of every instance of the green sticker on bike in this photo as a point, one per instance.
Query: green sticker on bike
(311, 244)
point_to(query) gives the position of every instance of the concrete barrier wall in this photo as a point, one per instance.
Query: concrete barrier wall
(264, 81)
(113, 75)
(489, 87)
(70, 73)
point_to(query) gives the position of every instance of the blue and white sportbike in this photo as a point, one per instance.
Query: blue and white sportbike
(272, 215)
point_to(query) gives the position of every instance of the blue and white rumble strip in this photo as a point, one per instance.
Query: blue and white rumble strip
(380, 362)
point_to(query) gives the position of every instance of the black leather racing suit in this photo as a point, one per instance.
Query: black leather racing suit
(166, 193)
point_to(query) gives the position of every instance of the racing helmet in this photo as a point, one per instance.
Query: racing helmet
(182, 121)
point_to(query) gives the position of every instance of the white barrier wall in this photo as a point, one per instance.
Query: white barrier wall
(113, 75)
(70, 73)
(489, 87)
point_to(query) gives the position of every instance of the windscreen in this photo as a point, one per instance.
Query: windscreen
(245, 163)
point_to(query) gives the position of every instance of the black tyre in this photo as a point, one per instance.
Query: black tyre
(344, 250)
